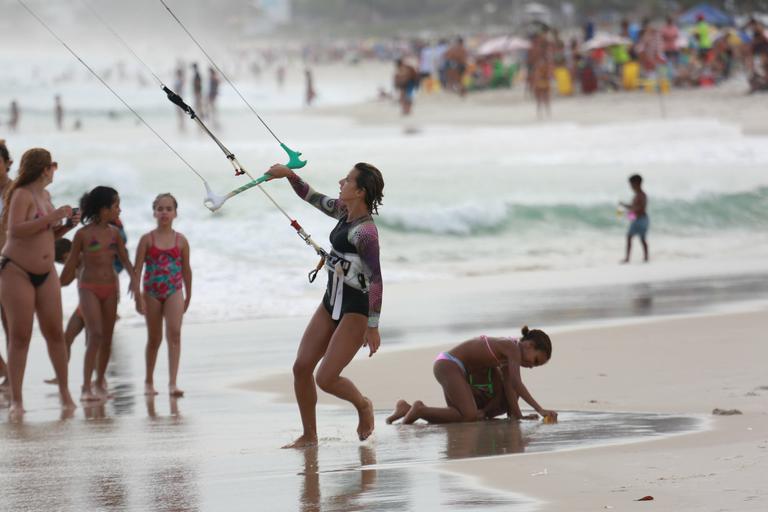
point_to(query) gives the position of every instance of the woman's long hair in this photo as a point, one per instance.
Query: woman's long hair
(33, 164)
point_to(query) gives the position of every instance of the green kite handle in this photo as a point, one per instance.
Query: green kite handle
(258, 181)
(294, 162)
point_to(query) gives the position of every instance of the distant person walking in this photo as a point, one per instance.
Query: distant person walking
(638, 216)
(703, 32)
(406, 81)
(541, 66)
(58, 112)
(455, 59)
(669, 36)
(13, 121)
(197, 91)
(309, 91)
(213, 93)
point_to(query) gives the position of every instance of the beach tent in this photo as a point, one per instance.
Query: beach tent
(711, 15)
(503, 44)
(604, 40)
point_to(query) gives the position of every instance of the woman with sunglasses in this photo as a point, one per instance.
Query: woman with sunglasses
(29, 283)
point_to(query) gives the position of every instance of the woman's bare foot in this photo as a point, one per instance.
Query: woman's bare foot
(401, 409)
(414, 413)
(16, 412)
(67, 404)
(88, 396)
(366, 422)
(175, 392)
(102, 390)
(53, 381)
(149, 390)
(303, 442)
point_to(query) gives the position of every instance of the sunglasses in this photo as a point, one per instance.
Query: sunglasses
(54, 165)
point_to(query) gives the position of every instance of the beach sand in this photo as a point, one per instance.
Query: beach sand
(682, 365)
(728, 103)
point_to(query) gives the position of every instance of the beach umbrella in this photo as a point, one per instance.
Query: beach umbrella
(710, 14)
(604, 40)
(503, 44)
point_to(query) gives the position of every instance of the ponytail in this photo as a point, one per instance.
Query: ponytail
(539, 339)
(94, 201)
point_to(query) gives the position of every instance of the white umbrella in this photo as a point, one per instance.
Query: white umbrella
(503, 44)
(604, 40)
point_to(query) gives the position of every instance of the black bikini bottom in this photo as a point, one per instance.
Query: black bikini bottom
(36, 279)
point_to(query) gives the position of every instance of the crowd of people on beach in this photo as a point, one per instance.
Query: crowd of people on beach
(651, 55)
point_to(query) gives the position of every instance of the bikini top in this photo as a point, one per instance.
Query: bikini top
(95, 246)
(40, 213)
(488, 387)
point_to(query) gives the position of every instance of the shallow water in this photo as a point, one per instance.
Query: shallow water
(455, 204)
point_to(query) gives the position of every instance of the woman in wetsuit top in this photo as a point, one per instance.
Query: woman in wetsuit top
(28, 281)
(348, 316)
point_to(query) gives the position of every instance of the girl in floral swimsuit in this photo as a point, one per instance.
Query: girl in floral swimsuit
(167, 289)
(95, 247)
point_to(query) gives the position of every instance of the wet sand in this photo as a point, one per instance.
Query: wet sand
(676, 365)
(217, 448)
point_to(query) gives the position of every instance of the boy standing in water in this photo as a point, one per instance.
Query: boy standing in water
(636, 211)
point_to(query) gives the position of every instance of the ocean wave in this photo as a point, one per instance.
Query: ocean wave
(741, 210)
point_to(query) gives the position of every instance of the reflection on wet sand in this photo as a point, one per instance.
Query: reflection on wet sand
(149, 401)
(483, 439)
(348, 485)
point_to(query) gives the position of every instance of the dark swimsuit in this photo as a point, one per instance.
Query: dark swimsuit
(357, 276)
(353, 300)
(36, 279)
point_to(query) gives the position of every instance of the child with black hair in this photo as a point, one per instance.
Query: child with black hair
(636, 211)
(453, 369)
(96, 246)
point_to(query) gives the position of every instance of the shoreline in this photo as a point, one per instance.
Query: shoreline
(512, 107)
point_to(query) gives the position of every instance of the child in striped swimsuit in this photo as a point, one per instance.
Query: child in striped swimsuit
(165, 254)
(454, 369)
(91, 260)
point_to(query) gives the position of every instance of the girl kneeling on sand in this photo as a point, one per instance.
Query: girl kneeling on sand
(95, 247)
(166, 255)
(452, 370)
